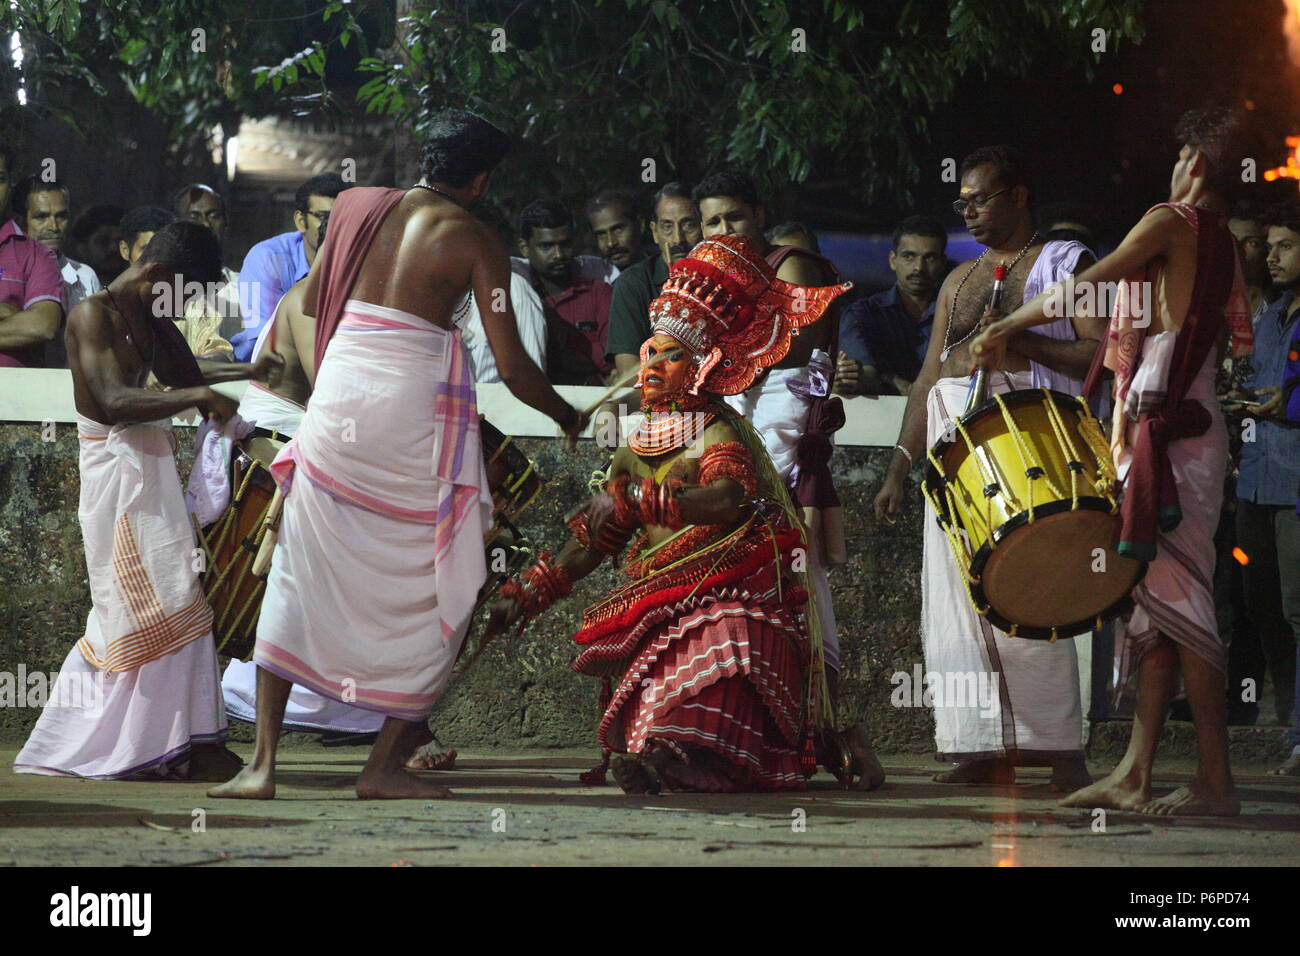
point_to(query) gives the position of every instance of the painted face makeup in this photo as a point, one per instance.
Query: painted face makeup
(668, 378)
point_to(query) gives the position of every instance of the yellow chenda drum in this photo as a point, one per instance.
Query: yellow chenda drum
(1024, 491)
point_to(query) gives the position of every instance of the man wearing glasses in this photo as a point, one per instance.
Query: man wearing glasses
(274, 265)
(1039, 719)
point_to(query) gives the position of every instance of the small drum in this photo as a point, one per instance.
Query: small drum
(1024, 491)
(232, 542)
(513, 479)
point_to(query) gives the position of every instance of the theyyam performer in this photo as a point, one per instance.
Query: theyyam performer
(717, 673)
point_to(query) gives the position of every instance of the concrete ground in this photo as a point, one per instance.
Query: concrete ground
(528, 808)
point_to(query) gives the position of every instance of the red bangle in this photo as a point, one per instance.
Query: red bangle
(625, 512)
(541, 586)
(660, 504)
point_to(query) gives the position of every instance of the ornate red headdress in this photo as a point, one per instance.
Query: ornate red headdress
(725, 303)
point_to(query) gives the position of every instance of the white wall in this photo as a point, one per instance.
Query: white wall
(38, 395)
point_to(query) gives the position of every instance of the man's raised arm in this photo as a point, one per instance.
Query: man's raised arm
(490, 281)
(1070, 357)
(1151, 237)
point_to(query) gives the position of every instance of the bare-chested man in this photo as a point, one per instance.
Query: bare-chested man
(1039, 718)
(148, 641)
(380, 554)
(1167, 420)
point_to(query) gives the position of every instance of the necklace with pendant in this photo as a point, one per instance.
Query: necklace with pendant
(952, 311)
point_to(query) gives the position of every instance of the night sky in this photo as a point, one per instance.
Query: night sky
(1113, 153)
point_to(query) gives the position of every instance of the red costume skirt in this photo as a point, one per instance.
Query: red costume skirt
(723, 673)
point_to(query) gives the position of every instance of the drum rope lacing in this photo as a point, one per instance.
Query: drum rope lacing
(959, 545)
(228, 524)
(1072, 460)
(958, 540)
(1096, 439)
(1034, 471)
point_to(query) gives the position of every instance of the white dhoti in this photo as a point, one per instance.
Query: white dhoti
(306, 710)
(780, 416)
(1032, 705)
(262, 407)
(380, 555)
(140, 687)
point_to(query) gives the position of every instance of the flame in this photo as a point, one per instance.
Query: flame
(1291, 27)
(1292, 168)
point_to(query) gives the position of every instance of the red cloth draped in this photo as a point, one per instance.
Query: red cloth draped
(354, 221)
(814, 487)
(1150, 503)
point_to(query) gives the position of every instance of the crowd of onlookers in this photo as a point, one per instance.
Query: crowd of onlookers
(583, 317)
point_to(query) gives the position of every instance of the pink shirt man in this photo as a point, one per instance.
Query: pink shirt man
(29, 273)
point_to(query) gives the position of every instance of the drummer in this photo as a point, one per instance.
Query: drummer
(147, 655)
(1167, 424)
(1038, 719)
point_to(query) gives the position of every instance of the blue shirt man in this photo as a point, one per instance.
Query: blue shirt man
(273, 265)
(1270, 464)
(883, 338)
(1266, 524)
(270, 269)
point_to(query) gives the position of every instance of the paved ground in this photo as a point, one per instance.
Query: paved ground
(529, 808)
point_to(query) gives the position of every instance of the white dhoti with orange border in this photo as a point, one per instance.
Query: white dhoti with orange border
(146, 661)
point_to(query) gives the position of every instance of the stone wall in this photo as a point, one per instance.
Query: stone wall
(520, 692)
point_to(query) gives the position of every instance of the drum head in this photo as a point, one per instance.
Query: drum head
(1059, 571)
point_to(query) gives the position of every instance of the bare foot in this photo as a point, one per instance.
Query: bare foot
(1195, 799)
(989, 771)
(248, 784)
(399, 784)
(1070, 774)
(427, 758)
(1116, 791)
(213, 764)
(866, 765)
(1291, 768)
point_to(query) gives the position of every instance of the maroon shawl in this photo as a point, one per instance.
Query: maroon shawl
(1150, 503)
(355, 219)
(813, 486)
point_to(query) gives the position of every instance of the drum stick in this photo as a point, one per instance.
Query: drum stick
(262, 563)
(624, 380)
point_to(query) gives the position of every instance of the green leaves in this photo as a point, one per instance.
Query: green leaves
(311, 61)
(593, 87)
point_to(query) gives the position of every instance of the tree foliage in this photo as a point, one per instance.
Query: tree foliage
(782, 88)
(195, 64)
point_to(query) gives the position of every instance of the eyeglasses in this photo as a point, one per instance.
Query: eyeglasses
(959, 207)
(324, 217)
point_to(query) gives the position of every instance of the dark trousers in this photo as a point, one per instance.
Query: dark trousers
(1233, 619)
(1270, 537)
